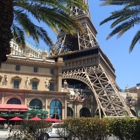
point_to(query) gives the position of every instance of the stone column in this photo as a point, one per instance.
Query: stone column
(65, 108)
(59, 74)
(2, 99)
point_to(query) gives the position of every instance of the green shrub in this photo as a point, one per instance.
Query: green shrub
(87, 128)
(123, 129)
(29, 130)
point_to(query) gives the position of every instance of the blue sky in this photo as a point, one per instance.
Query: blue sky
(125, 63)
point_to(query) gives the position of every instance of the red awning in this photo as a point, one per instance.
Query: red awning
(13, 107)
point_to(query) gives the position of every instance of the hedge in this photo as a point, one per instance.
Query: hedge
(101, 129)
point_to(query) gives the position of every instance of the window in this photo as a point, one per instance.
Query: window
(35, 104)
(17, 68)
(69, 112)
(14, 101)
(52, 71)
(35, 69)
(34, 85)
(56, 109)
(84, 112)
(16, 84)
(51, 86)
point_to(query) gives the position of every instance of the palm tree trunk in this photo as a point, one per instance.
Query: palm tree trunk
(6, 19)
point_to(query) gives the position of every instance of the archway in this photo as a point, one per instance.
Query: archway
(69, 112)
(56, 109)
(13, 101)
(84, 112)
(103, 87)
(35, 104)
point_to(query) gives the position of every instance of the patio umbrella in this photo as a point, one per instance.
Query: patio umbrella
(2, 119)
(35, 119)
(52, 120)
(48, 119)
(57, 120)
(16, 119)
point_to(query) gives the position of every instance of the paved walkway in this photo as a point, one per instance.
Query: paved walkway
(4, 135)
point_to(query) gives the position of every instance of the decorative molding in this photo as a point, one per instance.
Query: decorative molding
(13, 96)
(59, 99)
(34, 62)
(36, 97)
(16, 78)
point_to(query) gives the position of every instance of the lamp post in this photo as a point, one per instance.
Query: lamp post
(8, 117)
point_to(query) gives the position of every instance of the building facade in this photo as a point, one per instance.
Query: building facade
(35, 83)
(75, 79)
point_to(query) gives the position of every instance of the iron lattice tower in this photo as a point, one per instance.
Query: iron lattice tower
(85, 61)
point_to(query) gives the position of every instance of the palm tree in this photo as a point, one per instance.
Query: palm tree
(17, 16)
(124, 19)
(5, 31)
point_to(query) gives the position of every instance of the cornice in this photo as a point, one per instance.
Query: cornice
(7, 90)
(27, 73)
(32, 62)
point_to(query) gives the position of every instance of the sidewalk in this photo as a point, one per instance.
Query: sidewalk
(4, 133)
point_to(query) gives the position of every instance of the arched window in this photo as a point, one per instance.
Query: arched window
(35, 104)
(14, 101)
(56, 109)
(84, 112)
(69, 112)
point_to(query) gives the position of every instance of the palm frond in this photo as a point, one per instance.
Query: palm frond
(18, 36)
(124, 15)
(123, 31)
(43, 35)
(112, 17)
(116, 2)
(30, 28)
(62, 20)
(124, 25)
(134, 41)
(54, 13)
(124, 19)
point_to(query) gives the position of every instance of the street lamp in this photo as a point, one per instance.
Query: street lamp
(8, 117)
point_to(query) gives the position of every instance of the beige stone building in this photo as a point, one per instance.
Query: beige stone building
(35, 83)
(78, 79)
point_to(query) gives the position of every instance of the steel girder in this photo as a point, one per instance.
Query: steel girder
(106, 94)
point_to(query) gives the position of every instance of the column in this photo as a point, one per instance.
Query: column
(60, 64)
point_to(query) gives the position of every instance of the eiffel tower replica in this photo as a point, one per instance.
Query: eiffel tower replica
(86, 62)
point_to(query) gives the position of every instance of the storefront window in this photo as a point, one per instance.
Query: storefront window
(56, 109)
